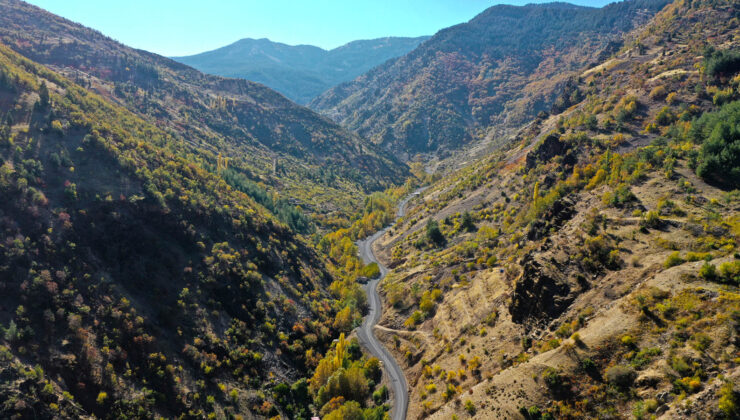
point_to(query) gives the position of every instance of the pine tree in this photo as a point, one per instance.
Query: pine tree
(43, 96)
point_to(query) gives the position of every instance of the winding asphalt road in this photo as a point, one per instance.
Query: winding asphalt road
(365, 333)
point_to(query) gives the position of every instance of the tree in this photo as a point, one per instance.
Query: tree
(720, 63)
(343, 320)
(719, 135)
(348, 383)
(6, 82)
(43, 96)
(467, 222)
(372, 369)
(351, 410)
(11, 333)
(433, 234)
(591, 122)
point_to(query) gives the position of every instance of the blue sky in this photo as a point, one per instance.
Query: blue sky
(183, 27)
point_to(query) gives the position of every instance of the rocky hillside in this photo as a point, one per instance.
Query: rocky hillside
(270, 141)
(495, 72)
(590, 269)
(300, 72)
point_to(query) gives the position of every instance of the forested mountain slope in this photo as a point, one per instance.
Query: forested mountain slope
(495, 72)
(300, 72)
(271, 141)
(134, 282)
(591, 268)
(151, 262)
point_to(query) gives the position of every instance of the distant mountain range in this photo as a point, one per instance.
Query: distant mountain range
(300, 72)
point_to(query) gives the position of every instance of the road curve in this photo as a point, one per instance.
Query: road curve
(365, 332)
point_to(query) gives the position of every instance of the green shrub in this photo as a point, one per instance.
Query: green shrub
(665, 116)
(564, 331)
(621, 376)
(380, 395)
(723, 96)
(491, 261)
(628, 340)
(426, 305)
(552, 378)
(11, 333)
(416, 318)
(588, 365)
(642, 408)
(659, 92)
(673, 260)
(708, 272)
(644, 356)
(534, 412)
(650, 220)
(620, 197)
(102, 396)
(470, 407)
(728, 401)
(698, 256)
(680, 365)
(730, 272)
(701, 341)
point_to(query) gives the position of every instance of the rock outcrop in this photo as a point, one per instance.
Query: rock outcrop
(549, 148)
(543, 291)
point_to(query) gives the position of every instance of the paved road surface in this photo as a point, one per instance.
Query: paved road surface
(365, 333)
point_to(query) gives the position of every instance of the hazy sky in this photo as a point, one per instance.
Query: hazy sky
(183, 27)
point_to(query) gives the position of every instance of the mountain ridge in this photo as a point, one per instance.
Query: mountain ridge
(496, 71)
(299, 71)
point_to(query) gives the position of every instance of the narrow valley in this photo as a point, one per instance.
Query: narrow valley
(531, 214)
